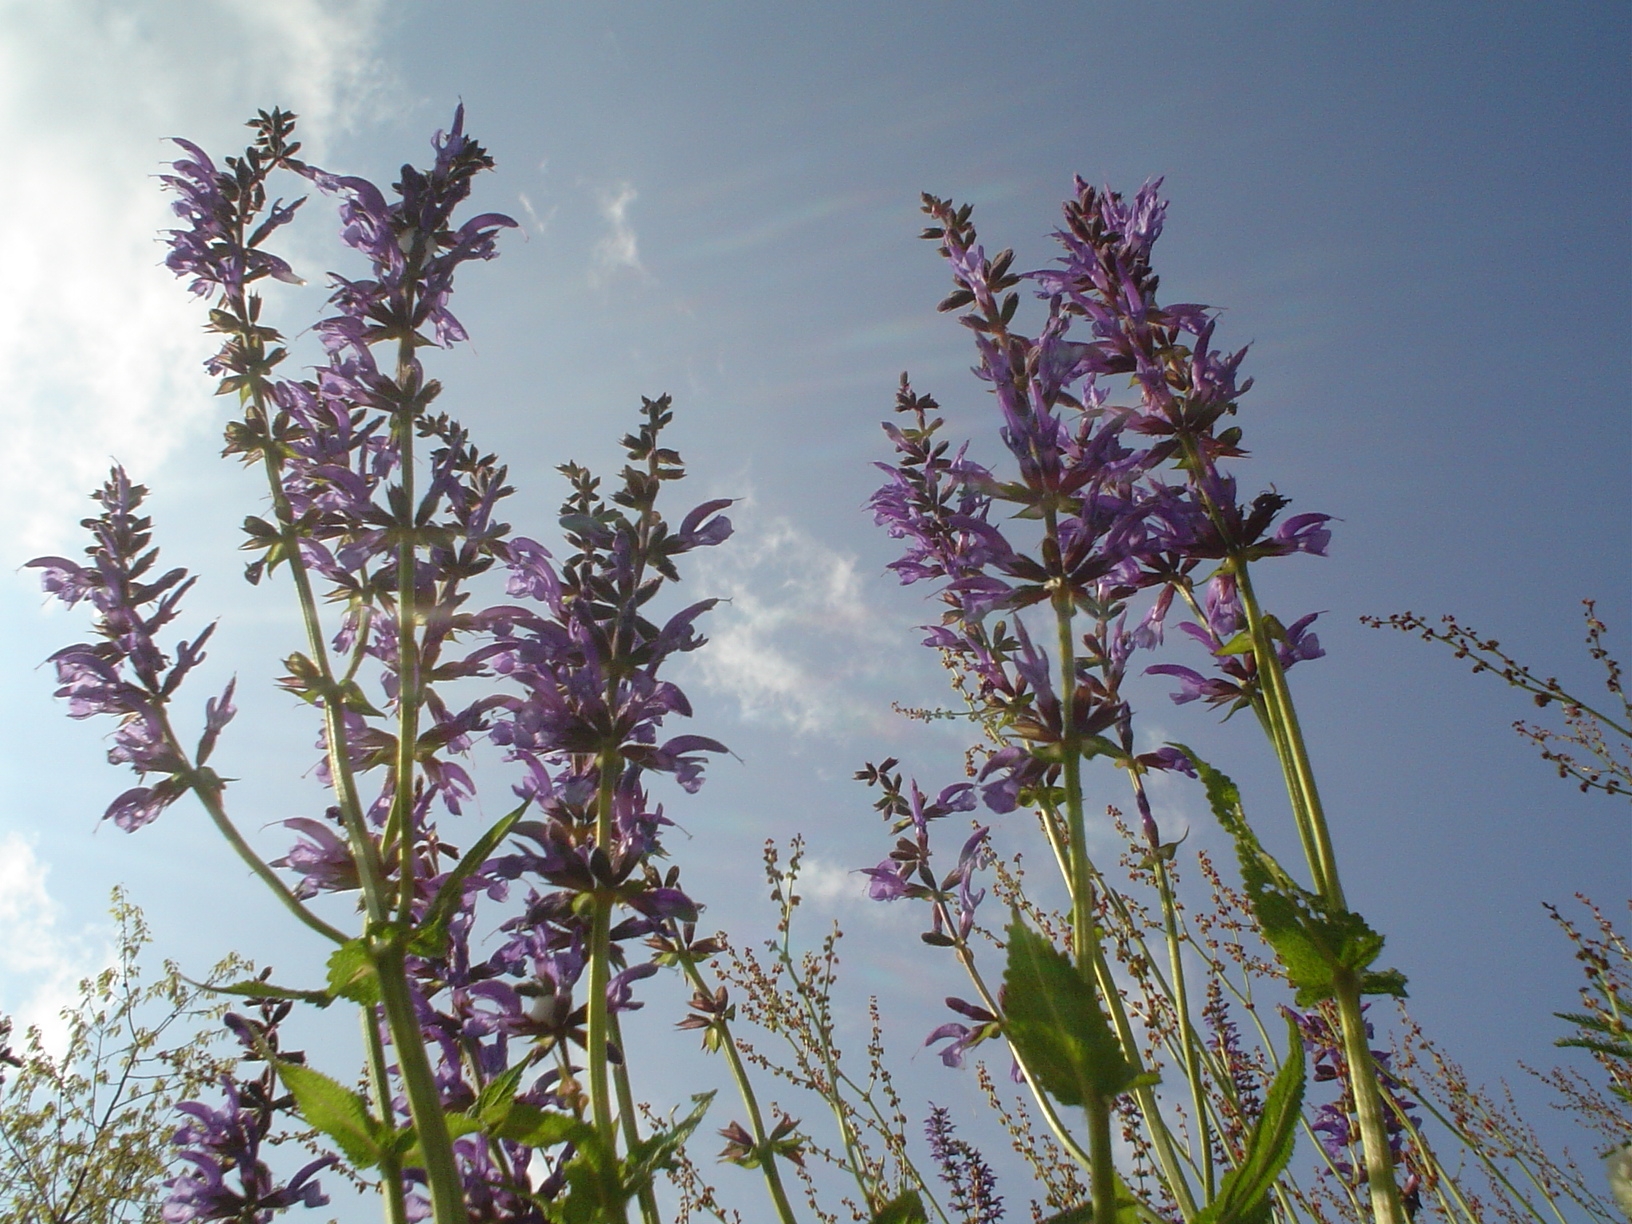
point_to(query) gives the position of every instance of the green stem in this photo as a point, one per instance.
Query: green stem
(408, 694)
(600, 963)
(1368, 1105)
(750, 1101)
(1188, 1035)
(379, 1079)
(1274, 731)
(1283, 715)
(419, 1083)
(1102, 1179)
(628, 1119)
(208, 790)
(1084, 924)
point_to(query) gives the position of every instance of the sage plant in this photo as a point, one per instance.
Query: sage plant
(499, 1087)
(1055, 574)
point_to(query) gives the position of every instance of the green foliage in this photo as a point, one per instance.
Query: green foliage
(352, 974)
(1054, 1021)
(1128, 1209)
(905, 1208)
(84, 1134)
(337, 1112)
(431, 939)
(1315, 941)
(600, 1186)
(1244, 1196)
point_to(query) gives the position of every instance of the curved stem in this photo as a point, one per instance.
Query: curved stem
(750, 1101)
(208, 788)
(210, 797)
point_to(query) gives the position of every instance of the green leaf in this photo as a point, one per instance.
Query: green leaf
(1240, 644)
(538, 1128)
(406, 1143)
(503, 1116)
(1055, 1023)
(337, 1111)
(657, 1150)
(352, 974)
(431, 937)
(1244, 1195)
(1129, 1210)
(905, 1208)
(254, 988)
(1314, 941)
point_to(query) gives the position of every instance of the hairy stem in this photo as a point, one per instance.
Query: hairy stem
(379, 1082)
(629, 1120)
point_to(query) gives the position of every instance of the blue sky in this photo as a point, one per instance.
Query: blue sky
(1417, 215)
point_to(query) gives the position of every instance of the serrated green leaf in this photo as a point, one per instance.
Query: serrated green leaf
(657, 1150)
(499, 1093)
(256, 989)
(352, 974)
(905, 1208)
(431, 937)
(1054, 1022)
(1244, 1195)
(405, 1143)
(538, 1128)
(1313, 941)
(337, 1111)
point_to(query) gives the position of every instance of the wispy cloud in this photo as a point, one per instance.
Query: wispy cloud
(797, 636)
(40, 964)
(618, 250)
(98, 347)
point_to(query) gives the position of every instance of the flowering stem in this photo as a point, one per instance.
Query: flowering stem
(1084, 925)
(629, 1120)
(750, 1101)
(1274, 732)
(1180, 995)
(379, 1080)
(408, 696)
(207, 787)
(1385, 1195)
(425, 1106)
(1368, 1103)
(1284, 716)
(600, 961)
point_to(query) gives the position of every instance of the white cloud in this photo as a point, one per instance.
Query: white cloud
(797, 634)
(99, 346)
(619, 249)
(40, 964)
(540, 223)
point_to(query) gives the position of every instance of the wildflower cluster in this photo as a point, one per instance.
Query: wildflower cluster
(1109, 501)
(493, 975)
(389, 512)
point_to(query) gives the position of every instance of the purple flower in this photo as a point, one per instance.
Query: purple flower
(964, 1169)
(321, 857)
(963, 1037)
(217, 1142)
